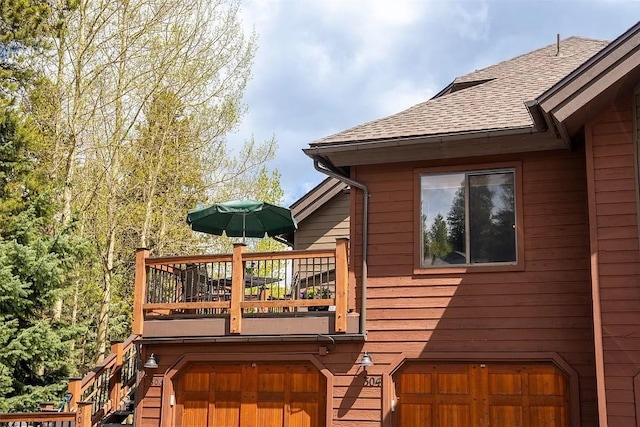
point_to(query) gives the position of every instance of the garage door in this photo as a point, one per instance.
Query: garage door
(251, 394)
(482, 395)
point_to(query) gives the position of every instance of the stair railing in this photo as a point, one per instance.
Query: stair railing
(102, 391)
(107, 386)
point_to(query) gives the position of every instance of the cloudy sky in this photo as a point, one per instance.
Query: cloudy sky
(323, 66)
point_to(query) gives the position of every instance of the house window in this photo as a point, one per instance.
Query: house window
(468, 218)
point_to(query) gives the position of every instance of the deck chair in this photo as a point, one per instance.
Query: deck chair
(194, 284)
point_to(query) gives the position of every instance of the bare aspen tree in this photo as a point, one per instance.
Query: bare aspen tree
(146, 92)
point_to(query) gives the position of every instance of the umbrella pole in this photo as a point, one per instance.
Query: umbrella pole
(244, 225)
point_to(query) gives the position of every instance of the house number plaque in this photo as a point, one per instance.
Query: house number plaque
(372, 381)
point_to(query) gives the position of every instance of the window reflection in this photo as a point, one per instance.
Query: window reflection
(468, 213)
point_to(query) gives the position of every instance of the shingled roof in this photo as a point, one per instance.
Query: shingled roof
(489, 99)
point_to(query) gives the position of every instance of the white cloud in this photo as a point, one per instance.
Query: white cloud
(333, 40)
(470, 19)
(372, 27)
(325, 65)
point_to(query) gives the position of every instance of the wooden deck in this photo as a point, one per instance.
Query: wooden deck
(223, 295)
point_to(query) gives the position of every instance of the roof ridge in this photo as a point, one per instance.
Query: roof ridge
(458, 79)
(481, 106)
(591, 39)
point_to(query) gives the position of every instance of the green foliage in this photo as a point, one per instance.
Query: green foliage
(24, 22)
(24, 26)
(456, 221)
(317, 293)
(108, 136)
(35, 350)
(36, 354)
(439, 246)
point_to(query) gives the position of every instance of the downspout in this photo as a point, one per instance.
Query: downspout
(326, 168)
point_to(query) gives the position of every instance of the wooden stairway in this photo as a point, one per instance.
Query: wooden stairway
(103, 397)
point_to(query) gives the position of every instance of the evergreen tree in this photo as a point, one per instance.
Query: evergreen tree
(35, 355)
(456, 221)
(439, 246)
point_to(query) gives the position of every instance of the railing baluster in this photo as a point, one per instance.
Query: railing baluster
(197, 283)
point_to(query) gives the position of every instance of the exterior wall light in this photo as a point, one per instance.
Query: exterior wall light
(151, 362)
(366, 360)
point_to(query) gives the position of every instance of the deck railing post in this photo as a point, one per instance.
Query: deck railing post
(83, 415)
(140, 290)
(342, 283)
(75, 388)
(237, 289)
(115, 382)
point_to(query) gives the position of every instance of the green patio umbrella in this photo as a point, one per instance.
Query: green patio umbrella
(242, 218)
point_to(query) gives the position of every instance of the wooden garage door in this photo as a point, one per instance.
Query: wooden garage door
(482, 395)
(251, 394)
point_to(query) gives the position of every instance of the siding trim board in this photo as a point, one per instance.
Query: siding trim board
(636, 390)
(636, 158)
(168, 413)
(316, 198)
(595, 279)
(554, 358)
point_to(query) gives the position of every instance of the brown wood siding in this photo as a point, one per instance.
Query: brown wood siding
(544, 308)
(352, 404)
(610, 139)
(321, 229)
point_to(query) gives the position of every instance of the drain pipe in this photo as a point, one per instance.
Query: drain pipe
(323, 166)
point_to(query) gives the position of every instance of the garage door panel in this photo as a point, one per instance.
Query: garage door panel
(271, 381)
(547, 416)
(454, 415)
(304, 414)
(197, 381)
(226, 381)
(505, 384)
(483, 395)
(416, 415)
(225, 414)
(546, 385)
(271, 414)
(454, 383)
(304, 382)
(415, 383)
(506, 416)
(195, 413)
(249, 394)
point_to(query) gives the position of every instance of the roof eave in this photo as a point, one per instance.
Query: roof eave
(438, 146)
(546, 98)
(316, 197)
(584, 92)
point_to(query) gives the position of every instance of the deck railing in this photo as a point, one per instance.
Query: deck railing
(240, 284)
(81, 417)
